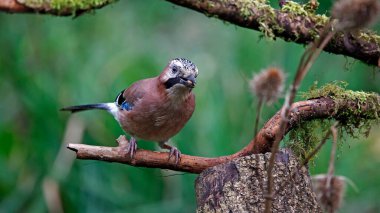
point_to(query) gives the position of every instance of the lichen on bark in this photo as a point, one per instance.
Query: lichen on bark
(70, 7)
(240, 186)
(353, 120)
(273, 22)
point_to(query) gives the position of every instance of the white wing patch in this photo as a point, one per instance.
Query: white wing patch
(114, 110)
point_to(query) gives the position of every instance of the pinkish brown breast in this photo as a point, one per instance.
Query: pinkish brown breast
(158, 117)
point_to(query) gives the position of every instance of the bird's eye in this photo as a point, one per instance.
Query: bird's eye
(175, 69)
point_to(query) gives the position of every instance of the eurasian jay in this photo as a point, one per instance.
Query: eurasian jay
(154, 109)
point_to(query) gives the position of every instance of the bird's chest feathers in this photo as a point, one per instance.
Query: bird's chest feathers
(159, 116)
(176, 110)
(177, 97)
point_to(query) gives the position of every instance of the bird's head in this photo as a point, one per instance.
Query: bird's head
(179, 73)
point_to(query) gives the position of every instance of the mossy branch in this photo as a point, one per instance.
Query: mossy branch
(53, 7)
(293, 22)
(352, 109)
(353, 121)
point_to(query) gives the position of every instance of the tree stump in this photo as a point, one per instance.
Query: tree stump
(241, 186)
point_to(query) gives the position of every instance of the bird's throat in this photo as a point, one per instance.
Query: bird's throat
(178, 93)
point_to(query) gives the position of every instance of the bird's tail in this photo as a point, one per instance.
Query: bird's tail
(103, 106)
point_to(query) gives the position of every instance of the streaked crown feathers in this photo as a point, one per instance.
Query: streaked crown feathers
(186, 64)
(179, 67)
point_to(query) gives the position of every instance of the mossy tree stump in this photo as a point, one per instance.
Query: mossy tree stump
(241, 186)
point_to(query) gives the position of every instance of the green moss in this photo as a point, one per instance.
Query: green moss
(268, 22)
(304, 138)
(210, 5)
(270, 27)
(307, 11)
(370, 36)
(246, 6)
(294, 8)
(311, 6)
(353, 120)
(267, 31)
(329, 90)
(338, 92)
(65, 6)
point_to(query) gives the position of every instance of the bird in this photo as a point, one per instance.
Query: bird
(154, 109)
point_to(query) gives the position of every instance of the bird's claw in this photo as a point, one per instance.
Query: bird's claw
(176, 153)
(173, 151)
(131, 147)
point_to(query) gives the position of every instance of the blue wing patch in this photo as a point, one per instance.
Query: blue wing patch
(126, 106)
(120, 101)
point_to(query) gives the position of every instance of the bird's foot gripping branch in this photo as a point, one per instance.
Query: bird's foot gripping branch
(354, 110)
(142, 158)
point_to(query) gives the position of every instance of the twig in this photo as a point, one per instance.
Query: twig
(52, 195)
(62, 166)
(257, 120)
(306, 61)
(330, 173)
(332, 131)
(324, 139)
(145, 158)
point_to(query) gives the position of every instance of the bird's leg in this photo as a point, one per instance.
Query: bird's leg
(131, 147)
(173, 151)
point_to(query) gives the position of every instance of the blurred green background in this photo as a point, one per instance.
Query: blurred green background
(50, 62)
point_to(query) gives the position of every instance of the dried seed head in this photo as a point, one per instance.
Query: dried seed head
(268, 84)
(355, 14)
(329, 196)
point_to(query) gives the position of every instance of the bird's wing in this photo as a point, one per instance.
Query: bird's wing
(128, 97)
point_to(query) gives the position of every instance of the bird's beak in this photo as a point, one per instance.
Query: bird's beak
(189, 81)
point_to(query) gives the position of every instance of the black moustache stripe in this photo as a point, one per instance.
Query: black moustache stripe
(172, 81)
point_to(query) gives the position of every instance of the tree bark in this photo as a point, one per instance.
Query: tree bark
(240, 186)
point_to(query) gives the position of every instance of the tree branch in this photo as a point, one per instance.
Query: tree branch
(53, 7)
(293, 22)
(300, 111)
